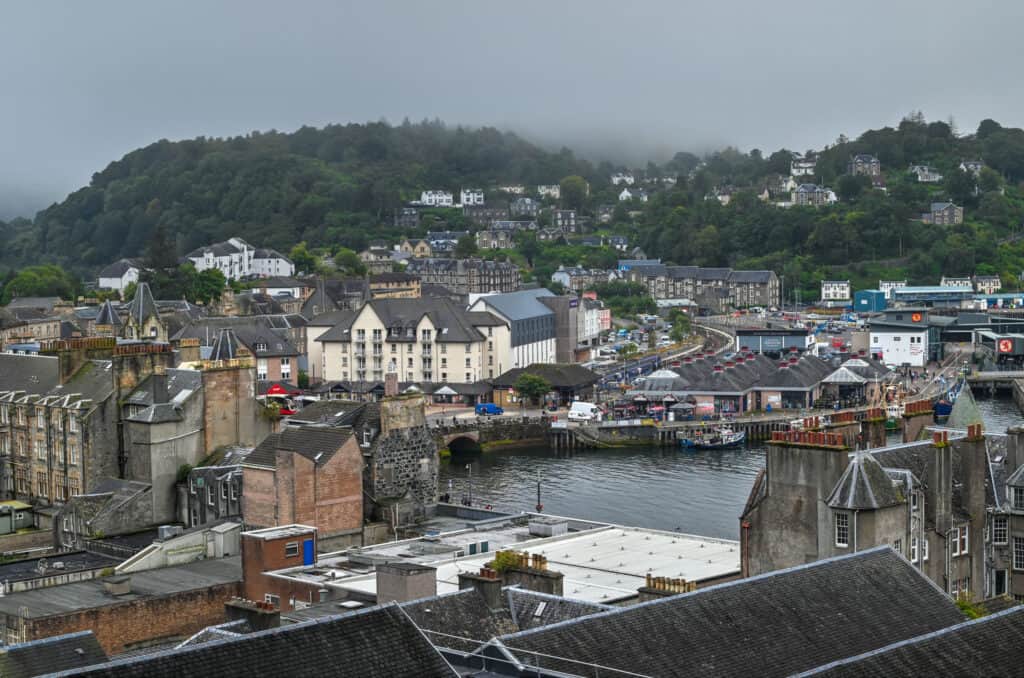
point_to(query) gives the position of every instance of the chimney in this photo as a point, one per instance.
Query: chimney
(390, 384)
(405, 581)
(487, 583)
(662, 587)
(530, 572)
(118, 585)
(260, 616)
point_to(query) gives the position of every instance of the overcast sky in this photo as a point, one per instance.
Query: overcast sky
(82, 83)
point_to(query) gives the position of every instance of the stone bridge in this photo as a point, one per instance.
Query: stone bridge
(474, 434)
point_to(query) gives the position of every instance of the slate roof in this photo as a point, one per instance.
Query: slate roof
(267, 253)
(45, 303)
(755, 277)
(120, 267)
(252, 331)
(86, 595)
(781, 623)
(108, 315)
(381, 642)
(29, 373)
(401, 317)
(49, 655)
(313, 443)
(177, 381)
(225, 346)
(865, 485)
(329, 412)
(989, 646)
(558, 375)
(519, 305)
(142, 305)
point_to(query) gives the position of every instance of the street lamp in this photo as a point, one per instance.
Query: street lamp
(469, 467)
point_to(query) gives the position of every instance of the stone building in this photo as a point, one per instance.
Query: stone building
(931, 501)
(400, 475)
(213, 491)
(864, 164)
(714, 288)
(467, 276)
(143, 321)
(59, 414)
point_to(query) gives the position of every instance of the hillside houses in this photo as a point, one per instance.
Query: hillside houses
(943, 214)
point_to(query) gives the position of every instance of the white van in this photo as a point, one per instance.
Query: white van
(581, 411)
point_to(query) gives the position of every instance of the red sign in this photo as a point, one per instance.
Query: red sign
(916, 317)
(1006, 345)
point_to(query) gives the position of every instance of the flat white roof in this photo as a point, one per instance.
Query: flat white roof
(281, 531)
(600, 565)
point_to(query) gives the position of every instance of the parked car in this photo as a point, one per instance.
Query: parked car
(489, 409)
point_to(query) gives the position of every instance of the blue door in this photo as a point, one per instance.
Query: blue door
(307, 552)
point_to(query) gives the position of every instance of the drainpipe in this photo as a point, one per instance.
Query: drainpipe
(745, 549)
(855, 531)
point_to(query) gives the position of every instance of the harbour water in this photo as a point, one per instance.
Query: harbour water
(698, 492)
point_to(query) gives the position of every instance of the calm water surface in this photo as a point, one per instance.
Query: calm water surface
(663, 488)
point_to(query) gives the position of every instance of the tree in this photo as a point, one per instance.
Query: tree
(987, 128)
(529, 247)
(160, 251)
(531, 387)
(302, 258)
(348, 261)
(989, 180)
(573, 190)
(206, 286)
(41, 281)
(465, 247)
(850, 186)
(960, 186)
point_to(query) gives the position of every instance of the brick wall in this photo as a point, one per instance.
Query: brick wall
(259, 497)
(262, 555)
(121, 626)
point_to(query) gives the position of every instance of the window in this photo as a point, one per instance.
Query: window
(467, 362)
(410, 361)
(234, 492)
(291, 549)
(842, 529)
(209, 494)
(41, 484)
(224, 490)
(72, 453)
(913, 501)
(394, 348)
(444, 348)
(961, 536)
(469, 377)
(261, 369)
(913, 549)
(1018, 553)
(40, 448)
(272, 599)
(897, 546)
(41, 419)
(924, 550)
(896, 338)
(444, 376)
(1018, 498)
(286, 368)
(3, 414)
(999, 529)
(999, 583)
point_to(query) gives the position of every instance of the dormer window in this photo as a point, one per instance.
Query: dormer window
(1018, 498)
(260, 346)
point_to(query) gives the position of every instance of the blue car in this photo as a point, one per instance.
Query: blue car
(488, 409)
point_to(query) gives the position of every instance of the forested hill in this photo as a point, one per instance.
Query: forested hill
(331, 185)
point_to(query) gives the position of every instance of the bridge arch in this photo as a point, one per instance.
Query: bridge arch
(463, 443)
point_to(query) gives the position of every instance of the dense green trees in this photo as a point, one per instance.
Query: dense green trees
(40, 281)
(331, 186)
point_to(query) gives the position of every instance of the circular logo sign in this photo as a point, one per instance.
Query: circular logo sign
(916, 317)
(1006, 346)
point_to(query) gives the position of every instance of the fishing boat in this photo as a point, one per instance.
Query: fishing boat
(715, 439)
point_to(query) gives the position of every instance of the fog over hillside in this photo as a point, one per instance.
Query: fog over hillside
(617, 82)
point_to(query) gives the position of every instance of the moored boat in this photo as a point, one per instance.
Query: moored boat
(715, 439)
